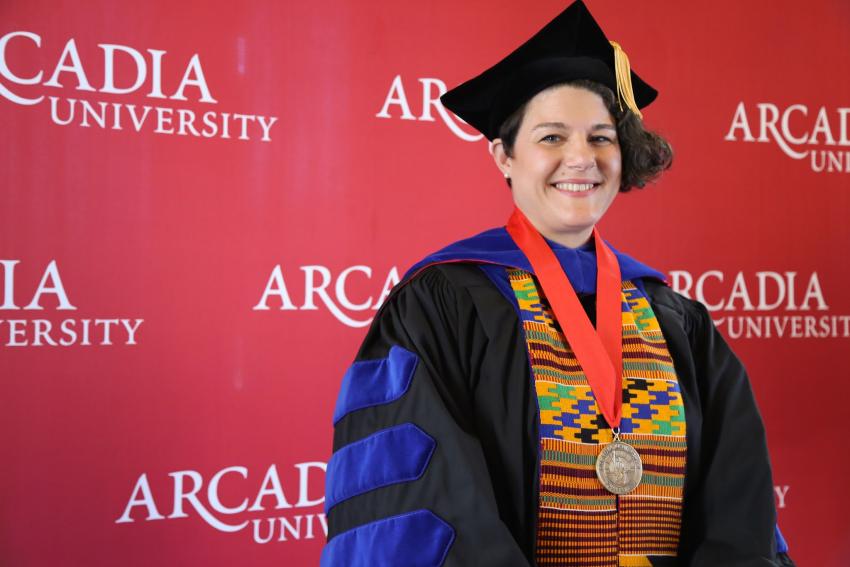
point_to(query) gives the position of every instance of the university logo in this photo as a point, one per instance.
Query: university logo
(168, 112)
(23, 323)
(276, 512)
(397, 104)
(814, 135)
(780, 492)
(320, 288)
(764, 304)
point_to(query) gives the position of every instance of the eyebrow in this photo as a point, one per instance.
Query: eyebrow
(563, 126)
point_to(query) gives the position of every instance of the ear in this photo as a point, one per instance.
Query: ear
(501, 157)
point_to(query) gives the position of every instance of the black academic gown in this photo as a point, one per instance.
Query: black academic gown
(469, 388)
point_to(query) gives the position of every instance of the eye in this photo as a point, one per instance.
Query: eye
(601, 139)
(551, 138)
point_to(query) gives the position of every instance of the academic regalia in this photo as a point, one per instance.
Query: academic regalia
(436, 427)
(443, 447)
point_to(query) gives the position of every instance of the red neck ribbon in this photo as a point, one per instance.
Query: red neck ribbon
(599, 351)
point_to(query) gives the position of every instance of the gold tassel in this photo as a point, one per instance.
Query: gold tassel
(624, 80)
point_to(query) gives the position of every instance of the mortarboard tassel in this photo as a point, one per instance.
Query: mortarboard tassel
(624, 79)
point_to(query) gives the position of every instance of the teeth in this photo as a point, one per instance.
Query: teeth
(574, 187)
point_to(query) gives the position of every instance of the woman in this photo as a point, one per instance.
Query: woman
(530, 396)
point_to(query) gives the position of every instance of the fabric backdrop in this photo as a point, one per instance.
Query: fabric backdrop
(202, 205)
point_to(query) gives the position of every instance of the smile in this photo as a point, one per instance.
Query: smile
(574, 187)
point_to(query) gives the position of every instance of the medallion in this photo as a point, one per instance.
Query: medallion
(619, 467)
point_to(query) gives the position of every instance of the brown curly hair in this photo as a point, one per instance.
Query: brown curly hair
(645, 154)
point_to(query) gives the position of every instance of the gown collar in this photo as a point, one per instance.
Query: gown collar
(495, 246)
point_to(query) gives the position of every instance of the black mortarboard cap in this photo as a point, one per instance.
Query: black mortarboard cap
(570, 47)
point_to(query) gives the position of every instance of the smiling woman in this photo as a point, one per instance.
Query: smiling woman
(529, 396)
(645, 154)
(565, 164)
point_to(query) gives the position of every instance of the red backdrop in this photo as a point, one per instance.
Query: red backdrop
(201, 206)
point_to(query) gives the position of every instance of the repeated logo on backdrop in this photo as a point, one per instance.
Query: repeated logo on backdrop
(397, 104)
(780, 493)
(816, 135)
(26, 325)
(764, 304)
(323, 289)
(262, 502)
(70, 74)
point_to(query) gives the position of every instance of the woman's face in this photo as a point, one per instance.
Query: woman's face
(566, 164)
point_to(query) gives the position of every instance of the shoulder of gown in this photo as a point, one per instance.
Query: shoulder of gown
(412, 479)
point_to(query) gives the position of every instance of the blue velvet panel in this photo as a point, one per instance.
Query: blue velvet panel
(370, 383)
(390, 456)
(417, 539)
(495, 246)
(781, 544)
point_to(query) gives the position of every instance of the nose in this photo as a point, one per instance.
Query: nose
(579, 155)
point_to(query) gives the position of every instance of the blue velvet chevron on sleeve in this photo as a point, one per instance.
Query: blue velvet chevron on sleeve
(416, 539)
(370, 383)
(394, 455)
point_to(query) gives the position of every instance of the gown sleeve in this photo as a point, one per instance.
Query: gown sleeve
(733, 511)
(408, 483)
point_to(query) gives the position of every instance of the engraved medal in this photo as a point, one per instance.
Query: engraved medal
(619, 467)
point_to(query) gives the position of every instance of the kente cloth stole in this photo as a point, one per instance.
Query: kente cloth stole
(580, 523)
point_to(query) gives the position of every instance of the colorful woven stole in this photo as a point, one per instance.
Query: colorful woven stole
(579, 522)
